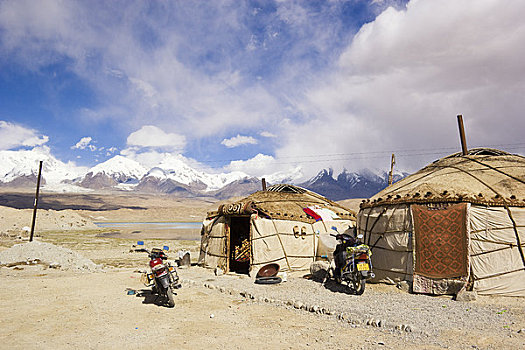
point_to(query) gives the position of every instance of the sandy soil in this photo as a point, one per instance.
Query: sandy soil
(46, 308)
(93, 311)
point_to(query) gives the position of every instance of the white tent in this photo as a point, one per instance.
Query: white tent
(458, 222)
(285, 224)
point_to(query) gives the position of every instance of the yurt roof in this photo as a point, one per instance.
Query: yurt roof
(285, 202)
(483, 176)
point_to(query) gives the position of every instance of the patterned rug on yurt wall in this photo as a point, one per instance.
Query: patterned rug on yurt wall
(441, 240)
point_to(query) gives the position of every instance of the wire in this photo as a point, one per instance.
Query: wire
(402, 153)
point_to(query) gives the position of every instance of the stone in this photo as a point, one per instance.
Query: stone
(298, 305)
(465, 295)
(54, 265)
(404, 286)
(319, 269)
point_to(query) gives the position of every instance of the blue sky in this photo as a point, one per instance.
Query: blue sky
(261, 86)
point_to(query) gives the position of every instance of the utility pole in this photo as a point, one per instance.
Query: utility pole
(36, 202)
(462, 135)
(391, 174)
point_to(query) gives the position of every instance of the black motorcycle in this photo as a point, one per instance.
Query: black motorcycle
(351, 262)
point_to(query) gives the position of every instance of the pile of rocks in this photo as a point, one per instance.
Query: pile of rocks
(47, 254)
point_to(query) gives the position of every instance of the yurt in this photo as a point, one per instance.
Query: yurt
(457, 223)
(284, 224)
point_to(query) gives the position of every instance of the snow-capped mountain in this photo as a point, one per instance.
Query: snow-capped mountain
(284, 176)
(175, 169)
(20, 168)
(117, 171)
(361, 184)
(174, 175)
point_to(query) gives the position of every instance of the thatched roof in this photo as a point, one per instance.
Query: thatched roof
(285, 202)
(483, 176)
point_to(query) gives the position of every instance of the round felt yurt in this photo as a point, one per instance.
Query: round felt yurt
(284, 224)
(457, 223)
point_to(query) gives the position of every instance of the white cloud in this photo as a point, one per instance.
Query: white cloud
(239, 140)
(150, 136)
(267, 134)
(256, 165)
(84, 143)
(14, 135)
(403, 80)
(397, 85)
(266, 166)
(111, 151)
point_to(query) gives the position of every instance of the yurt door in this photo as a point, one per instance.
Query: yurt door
(239, 244)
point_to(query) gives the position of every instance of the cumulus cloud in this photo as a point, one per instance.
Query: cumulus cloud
(14, 136)
(255, 165)
(265, 166)
(406, 75)
(84, 143)
(267, 134)
(239, 140)
(334, 98)
(150, 136)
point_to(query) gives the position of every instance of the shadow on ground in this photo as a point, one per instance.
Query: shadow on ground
(59, 202)
(150, 297)
(331, 284)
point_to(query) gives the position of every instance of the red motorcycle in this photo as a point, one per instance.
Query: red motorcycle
(163, 277)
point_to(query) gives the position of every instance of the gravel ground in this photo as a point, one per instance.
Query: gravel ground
(416, 317)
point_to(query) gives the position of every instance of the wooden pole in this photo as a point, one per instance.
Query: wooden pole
(462, 135)
(36, 202)
(391, 174)
(263, 184)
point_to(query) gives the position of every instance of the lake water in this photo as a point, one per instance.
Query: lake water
(151, 225)
(153, 230)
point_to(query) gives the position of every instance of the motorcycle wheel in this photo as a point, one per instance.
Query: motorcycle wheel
(169, 294)
(359, 284)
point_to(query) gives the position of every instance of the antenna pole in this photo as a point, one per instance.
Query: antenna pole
(391, 174)
(263, 184)
(462, 135)
(36, 202)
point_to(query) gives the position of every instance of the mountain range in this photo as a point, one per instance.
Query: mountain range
(173, 175)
